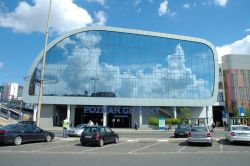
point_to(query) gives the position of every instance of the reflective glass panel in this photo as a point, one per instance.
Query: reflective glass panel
(114, 64)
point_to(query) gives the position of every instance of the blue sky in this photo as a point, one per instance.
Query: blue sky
(225, 23)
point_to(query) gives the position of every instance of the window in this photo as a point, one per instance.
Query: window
(220, 85)
(127, 66)
(108, 130)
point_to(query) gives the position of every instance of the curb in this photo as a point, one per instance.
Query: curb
(138, 140)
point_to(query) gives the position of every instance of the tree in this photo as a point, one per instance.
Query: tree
(184, 113)
(235, 109)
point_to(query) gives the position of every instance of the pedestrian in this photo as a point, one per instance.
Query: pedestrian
(136, 126)
(213, 125)
(90, 123)
(72, 124)
(65, 127)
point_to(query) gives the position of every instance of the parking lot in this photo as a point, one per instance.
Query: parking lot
(127, 147)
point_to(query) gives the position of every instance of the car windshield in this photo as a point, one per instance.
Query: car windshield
(91, 129)
(183, 126)
(241, 128)
(199, 129)
(80, 126)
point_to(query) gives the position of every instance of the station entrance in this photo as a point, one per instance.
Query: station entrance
(115, 119)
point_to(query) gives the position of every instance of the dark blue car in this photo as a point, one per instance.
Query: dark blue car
(19, 133)
(182, 131)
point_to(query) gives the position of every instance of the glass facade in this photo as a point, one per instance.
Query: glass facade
(237, 88)
(99, 63)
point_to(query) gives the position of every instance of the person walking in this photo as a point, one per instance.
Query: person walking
(90, 123)
(136, 125)
(65, 128)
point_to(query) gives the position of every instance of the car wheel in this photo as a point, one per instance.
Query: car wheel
(83, 143)
(101, 142)
(189, 143)
(48, 138)
(210, 144)
(18, 140)
(228, 140)
(116, 140)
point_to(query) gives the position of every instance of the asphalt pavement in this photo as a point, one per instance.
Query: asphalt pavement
(143, 135)
(172, 152)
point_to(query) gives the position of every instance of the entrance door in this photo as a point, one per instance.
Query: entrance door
(83, 118)
(119, 121)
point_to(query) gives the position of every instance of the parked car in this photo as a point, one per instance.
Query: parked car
(200, 134)
(19, 133)
(237, 133)
(98, 135)
(181, 131)
(76, 131)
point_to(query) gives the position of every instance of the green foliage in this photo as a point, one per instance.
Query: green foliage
(235, 109)
(247, 112)
(154, 121)
(173, 121)
(184, 113)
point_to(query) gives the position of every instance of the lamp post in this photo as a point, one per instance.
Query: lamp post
(95, 79)
(42, 69)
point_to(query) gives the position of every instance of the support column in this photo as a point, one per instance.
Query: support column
(72, 115)
(140, 117)
(68, 112)
(104, 118)
(175, 113)
(207, 109)
(34, 112)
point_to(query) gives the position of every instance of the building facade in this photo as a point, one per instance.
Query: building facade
(117, 76)
(236, 71)
(9, 91)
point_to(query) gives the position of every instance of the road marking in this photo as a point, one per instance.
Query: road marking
(221, 146)
(106, 146)
(50, 148)
(181, 149)
(144, 147)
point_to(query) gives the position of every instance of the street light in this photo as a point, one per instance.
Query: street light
(95, 79)
(42, 70)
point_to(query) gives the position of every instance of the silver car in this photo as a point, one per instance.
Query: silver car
(239, 133)
(76, 131)
(200, 134)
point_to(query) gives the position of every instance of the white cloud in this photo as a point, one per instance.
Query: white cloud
(137, 2)
(1, 65)
(27, 18)
(186, 6)
(101, 18)
(238, 47)
(177, 73)
(163, 9)
(221, 3)
(102, 2)
(151, 1)
(247, 30)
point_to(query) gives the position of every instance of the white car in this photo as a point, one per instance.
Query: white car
(239, 133)
(200, 134)
(76, 131)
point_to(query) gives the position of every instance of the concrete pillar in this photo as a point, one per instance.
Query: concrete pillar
(140, 117)
(104, 118)
(175, 113)
(34, 112)
(207, 109)
(72, 114)
(68, 112)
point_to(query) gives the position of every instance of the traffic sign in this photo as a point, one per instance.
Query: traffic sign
(242, 110)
